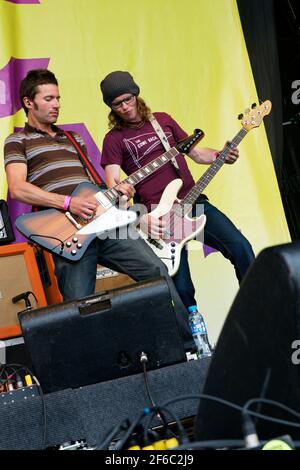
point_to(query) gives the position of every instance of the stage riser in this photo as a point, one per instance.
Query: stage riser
(91, 412)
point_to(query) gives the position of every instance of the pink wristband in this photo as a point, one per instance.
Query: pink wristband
(67, 201)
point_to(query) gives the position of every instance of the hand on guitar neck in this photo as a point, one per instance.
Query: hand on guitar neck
(233, 153)
(126, 192)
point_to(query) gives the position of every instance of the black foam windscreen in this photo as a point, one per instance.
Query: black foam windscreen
(255, 355)
(101, 337)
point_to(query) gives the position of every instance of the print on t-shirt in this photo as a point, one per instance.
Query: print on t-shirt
(140, 146)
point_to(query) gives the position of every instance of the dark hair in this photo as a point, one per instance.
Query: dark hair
(116, 122)
(34, 78)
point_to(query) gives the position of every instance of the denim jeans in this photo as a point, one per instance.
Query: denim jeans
(219, 233)
(132, 257)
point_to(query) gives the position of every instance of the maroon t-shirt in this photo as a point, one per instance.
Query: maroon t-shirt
(134, 148)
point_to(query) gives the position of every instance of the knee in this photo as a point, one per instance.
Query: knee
(243, 248)
(247, 250)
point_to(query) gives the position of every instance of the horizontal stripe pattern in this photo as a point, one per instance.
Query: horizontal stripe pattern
(52, 162)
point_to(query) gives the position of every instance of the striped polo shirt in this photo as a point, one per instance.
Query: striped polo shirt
(52, 162)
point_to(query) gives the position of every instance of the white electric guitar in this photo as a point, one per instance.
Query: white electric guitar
(182, 227)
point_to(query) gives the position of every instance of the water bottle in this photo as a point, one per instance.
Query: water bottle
(199, 332)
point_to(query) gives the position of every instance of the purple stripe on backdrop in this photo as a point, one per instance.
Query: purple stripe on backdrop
(10, 77)
(207, 250)
(24, 2)
(17, 208)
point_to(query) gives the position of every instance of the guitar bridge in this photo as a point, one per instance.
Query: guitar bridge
(72, 220)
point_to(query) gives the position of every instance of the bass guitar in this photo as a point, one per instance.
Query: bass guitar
(67, 235)
(182, 227)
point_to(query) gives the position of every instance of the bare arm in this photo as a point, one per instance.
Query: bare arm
(23, 191)
(112, 176)
(207, 155)
(26, 192)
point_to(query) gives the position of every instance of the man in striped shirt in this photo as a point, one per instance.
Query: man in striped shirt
(43, 169)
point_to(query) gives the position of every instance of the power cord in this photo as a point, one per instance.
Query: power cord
(269, 402)
(250, 437)
(249, 430)
(144, 361)
(161, 418)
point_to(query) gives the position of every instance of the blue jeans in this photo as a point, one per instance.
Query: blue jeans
(219, 233)
(132, 257)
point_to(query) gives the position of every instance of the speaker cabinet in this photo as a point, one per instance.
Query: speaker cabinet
(18, 273)
(255, 355)
(101, 337)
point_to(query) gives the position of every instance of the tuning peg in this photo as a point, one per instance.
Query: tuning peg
(240, 116)
(253, 105)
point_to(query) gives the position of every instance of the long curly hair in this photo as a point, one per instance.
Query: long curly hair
(115, 122)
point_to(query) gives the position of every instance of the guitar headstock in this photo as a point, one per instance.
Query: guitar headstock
(185, 145)
(254, 116)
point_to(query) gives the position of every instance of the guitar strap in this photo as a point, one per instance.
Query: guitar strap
(163, 138)
(89, 167)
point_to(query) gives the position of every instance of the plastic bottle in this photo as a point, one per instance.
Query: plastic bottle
(199, 332)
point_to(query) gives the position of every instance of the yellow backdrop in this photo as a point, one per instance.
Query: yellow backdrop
(190, 60)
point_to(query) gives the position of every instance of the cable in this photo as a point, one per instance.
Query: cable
(211, 444)
(250, 435)
(62, 245)
(205, 396)
(143, 361)
(182, 434)
(119, 445)
(185, 444)
(103, 445)
(270, 402)
(234, 406)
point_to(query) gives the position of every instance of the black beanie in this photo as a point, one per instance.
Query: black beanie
(116, 84)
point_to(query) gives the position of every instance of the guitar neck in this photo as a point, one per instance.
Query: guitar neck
(138, 176)
(209, 174)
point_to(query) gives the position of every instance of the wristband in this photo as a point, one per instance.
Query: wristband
(67, 202)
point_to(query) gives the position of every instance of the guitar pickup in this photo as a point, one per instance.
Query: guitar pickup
(155, 243)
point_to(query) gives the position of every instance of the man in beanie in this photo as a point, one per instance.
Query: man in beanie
(132, 143)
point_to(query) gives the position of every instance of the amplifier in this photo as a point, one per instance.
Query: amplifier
(101, 337)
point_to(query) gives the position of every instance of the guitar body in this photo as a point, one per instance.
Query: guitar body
(53, 231)
(181, 229)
